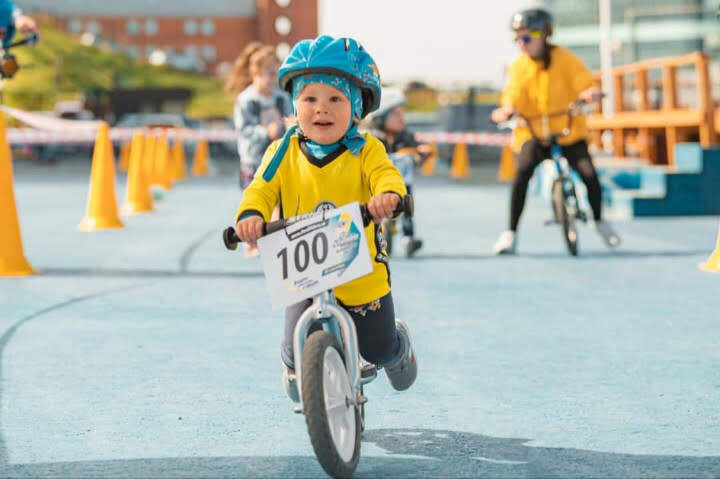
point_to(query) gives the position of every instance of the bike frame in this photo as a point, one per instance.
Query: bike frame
(338, 322)
(563, 172)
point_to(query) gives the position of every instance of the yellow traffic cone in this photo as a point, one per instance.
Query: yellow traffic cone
(102, 211)
(139, 198)
(506, 172)
(124, 157)
(178, 157)
(428, 168)
(713, 263)
(149, 157)
(162, 169)
(460, 167)
(12, 258)
(201, 159)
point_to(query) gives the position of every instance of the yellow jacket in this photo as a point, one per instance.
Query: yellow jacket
(302, 185)
(532, 90)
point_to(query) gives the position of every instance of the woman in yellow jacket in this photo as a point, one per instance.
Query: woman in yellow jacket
(545, 79)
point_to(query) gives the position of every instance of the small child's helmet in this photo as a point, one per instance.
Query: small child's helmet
(391, 99)
(343, 57)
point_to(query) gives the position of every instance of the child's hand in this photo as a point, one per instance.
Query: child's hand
(382, 206)
(250, 229)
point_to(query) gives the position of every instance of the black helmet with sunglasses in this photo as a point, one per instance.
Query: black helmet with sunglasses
(533, 19)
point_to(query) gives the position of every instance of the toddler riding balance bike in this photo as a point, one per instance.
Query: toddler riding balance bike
(328, 370)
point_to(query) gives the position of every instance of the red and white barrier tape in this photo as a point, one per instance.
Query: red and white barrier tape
(469, 138)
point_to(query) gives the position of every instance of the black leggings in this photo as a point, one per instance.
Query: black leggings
(532, 154)
(407, 221)
(375, 324)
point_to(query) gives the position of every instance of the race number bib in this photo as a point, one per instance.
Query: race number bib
(317, 252)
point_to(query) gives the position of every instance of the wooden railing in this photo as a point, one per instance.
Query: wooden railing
(670, 121)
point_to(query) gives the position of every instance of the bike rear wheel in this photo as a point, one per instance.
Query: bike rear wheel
(566, 219)
(333, 421)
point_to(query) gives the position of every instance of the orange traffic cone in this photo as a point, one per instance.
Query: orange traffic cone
(139, 199)
(162, 169)
(102, 211)
(124, 157)
(506, 172)
(149, 157)
(12, 258)
(460, 167)
(428, 168)
(178, 160)
(201, 159)
(713, 263)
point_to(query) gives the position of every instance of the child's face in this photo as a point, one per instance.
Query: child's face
(395, 122)
(264, 78)
(323, 113)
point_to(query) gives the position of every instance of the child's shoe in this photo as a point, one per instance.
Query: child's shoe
(411, 245)
(402, 371)
(290, 384)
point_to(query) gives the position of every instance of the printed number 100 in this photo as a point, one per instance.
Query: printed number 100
(301, 254)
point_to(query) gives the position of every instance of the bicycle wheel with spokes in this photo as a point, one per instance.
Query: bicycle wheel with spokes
(566, 219)
(332, 419)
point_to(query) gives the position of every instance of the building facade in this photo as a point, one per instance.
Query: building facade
(640, 28)
(200, 35)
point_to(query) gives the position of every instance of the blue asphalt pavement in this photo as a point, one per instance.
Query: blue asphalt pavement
(152, 351)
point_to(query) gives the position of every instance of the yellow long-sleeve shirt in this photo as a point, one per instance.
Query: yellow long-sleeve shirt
(533, 90)
(303, 185)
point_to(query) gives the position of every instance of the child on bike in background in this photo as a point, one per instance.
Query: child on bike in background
(324, 162)
(261, 109)
(388, 125)
(12, 20)
(545, 79)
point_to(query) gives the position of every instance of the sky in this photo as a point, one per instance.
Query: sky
(444, 42)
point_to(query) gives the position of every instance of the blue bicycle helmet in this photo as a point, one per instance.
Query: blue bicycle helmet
(7, 22)
(336, 56)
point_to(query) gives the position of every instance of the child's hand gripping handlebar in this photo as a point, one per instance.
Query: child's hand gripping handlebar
(231, 240)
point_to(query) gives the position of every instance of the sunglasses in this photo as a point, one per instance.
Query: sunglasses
(528, 37)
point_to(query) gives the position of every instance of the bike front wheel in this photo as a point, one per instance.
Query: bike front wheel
(566, 219)
(333, 420)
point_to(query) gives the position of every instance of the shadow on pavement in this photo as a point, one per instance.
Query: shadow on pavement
(421, 453)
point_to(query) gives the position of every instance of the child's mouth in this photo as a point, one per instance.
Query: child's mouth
(323, 124)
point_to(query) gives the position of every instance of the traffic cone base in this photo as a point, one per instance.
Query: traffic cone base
(712, 265)
(101, 223)
(507, 168)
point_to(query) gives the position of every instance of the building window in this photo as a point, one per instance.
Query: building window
(209, 53)
(191, 51)
(282, 50)
(93, 27)
(151, 27)
(75, 26)
(283, 25)
(283, 3)
(208, 27)
(191, 27)
(132, 27)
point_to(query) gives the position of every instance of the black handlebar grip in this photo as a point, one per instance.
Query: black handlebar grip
(273, 226)
(230, 239)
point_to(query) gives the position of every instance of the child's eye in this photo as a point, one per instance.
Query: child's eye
(309, 99)
(335, 99)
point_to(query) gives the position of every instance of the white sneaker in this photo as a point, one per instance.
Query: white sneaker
(505, 243)
(608, 234)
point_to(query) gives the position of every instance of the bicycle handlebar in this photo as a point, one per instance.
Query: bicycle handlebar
(231, 240)
(29, 40)
(578, 107)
